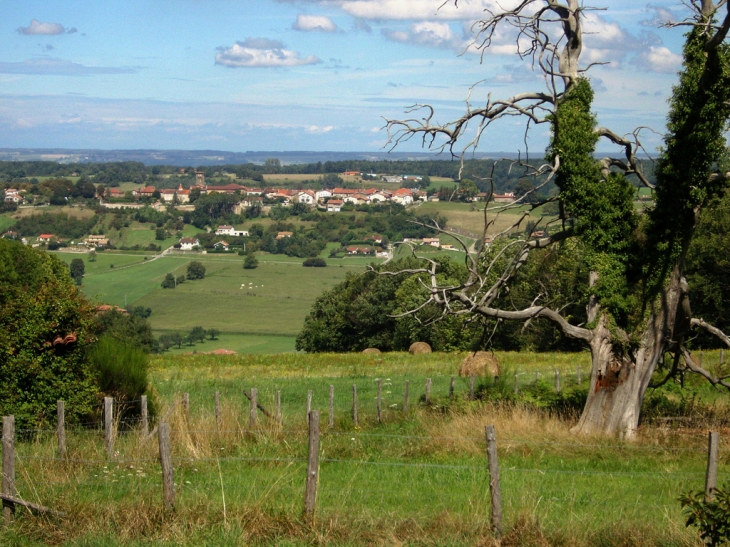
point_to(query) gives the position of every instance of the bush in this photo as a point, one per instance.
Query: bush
(314, 263)
(121, 372)
(196, 270)
(251, 262)
(711, 517)
(46, 328)
(168, 282)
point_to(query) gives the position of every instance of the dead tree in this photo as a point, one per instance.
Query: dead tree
(638, 307)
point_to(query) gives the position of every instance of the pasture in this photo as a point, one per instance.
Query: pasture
(416, 478)
(259, 310)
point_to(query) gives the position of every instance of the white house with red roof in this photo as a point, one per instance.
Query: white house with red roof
(187, 243)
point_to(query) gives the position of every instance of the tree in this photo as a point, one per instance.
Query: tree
(637, 317)
(160, 234)
(213, 333)
(168, 282)
(196, 270)
(197, 334)
(92, 255)
(46, 332)
(251, 262)
(77, 270)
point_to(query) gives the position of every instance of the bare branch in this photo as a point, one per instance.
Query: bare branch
(711, 329)
(693, 366)
(631, 166)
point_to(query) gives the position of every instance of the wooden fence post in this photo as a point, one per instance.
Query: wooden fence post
(168, 478)
(537, 376)
(61, 427)
(310, 491)
(8, 483)
(428, 391)
(517, 384)
(557, 381)
(109, 425)
(252, 414)
(309, 403)
(711, 476)
(332, 407)
(144, 416)
(471, 388)
(578, 375)
(354, 404)
(722, 356)
(451, 388)
(379, 404)
(186, 406)
(217, 402)
(278, 405)
(494, 487)
(405, 398)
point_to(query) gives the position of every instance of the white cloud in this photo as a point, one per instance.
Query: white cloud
(36, 27)
(261, 52)
(319, 130)
(658, 59)
(320, 23)
(421, 9)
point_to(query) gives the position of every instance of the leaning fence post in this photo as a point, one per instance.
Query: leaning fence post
(557, 381)
(168, 478)
(451, 388)
(109, 425)
(332, 407)
(428, 391)
(494, 488)
(471, 388)
(61, 427)
(405, 398)
(217, 402)
(354, 404)
(8, 483)
(252, 414)
(379, 405)
(278, 405)
(186, 405)
(310, 491)
(711, 476)
(144, 416)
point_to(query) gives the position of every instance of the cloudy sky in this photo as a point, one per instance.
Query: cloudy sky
(295, 74)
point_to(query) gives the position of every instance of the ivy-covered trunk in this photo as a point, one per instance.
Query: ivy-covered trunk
(621, 374)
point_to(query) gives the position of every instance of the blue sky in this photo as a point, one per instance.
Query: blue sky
(315, 75)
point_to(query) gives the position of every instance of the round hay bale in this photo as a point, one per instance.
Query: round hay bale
(481, 363)
(419, 348)
(371, 351)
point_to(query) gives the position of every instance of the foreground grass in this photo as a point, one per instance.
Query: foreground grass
(415, 479)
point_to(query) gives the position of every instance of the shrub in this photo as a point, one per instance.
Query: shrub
(196, 270)
(251, 262)
(711, 517)
(314, 263)
(168, 282)
(121, 372)
(46, 328)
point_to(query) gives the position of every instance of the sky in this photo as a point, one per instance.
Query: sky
(317, 75)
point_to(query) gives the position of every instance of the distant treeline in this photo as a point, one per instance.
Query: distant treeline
(503, 175)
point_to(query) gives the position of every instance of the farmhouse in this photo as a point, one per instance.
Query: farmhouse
(432, 241)
(507, 197)
(45, 238)
(230, 231)
(187, 243)
(221, 245)
(334, 205)
(282, 235)
(146, 192)
(96, 241)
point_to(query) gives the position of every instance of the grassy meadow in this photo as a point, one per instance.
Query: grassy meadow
(257, 311)
(414, 479)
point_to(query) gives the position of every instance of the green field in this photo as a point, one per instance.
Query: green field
(257, 311)
(414, 479)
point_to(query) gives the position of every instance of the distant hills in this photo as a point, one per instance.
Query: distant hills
(195, 158)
